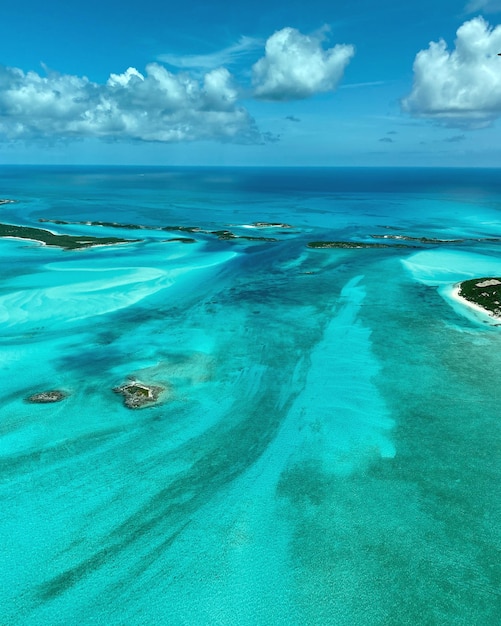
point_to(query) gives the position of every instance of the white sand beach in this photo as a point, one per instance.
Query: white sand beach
(455, 295)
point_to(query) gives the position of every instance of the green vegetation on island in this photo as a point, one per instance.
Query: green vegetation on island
(270, 225)
(410, 242)
(180, 240)
(67, 242)
(430, 240)
(93, 223)
(352, 244)
(247, 238)
(436, 240)
(224, 235)
(484, 292)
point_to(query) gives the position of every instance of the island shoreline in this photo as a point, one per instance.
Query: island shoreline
(457, 297)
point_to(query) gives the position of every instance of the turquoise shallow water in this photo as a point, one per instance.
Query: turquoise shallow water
(327, 450)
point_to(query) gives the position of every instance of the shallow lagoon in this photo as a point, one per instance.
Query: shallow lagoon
(329, 449)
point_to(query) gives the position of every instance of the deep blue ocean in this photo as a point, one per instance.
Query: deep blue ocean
(326, 446)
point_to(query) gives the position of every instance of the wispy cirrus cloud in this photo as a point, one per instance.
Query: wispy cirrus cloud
(227, 56)
(373, 83)
(484, 6)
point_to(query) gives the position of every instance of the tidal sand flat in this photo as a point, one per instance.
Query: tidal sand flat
(298, 427)
(452, 269)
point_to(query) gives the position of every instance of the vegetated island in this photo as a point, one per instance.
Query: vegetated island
(482, 293)
(225, 235)
(430, 240)
(180, 240)
(138, 395)
(436, 240)
(354, 244)
(410, 242)
(66, 242)
(268, 225)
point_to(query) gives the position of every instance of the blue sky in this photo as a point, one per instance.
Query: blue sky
(255, 83)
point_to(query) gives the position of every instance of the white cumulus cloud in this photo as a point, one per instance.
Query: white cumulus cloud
(296, 66)
(461, 87)
(154, 106)
(159, 105)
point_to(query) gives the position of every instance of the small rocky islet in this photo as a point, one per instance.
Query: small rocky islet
(138, 395)
(47, 397)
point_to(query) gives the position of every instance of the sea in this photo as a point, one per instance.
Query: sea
(325, 449)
